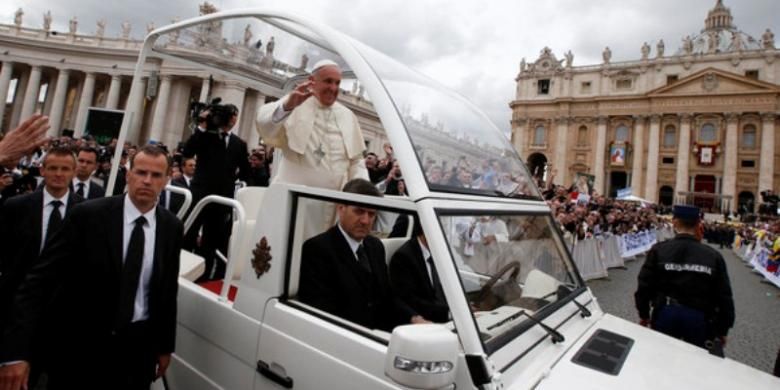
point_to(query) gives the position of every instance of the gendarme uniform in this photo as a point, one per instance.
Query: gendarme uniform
(686, 285)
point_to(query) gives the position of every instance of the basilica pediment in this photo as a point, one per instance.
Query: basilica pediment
(713, 81)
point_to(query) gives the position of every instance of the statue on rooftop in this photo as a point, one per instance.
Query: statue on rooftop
(768, 39)
(18, 17)
(660, 47)
(247, 35)
(569, 58)
(101, 28)
(688, 45)
(304, 61)
(150, 27)
(269, 47)
(47, 21)
(73, 25)
(606, 55)
(126, 29)
(522, 65)
(645, 51)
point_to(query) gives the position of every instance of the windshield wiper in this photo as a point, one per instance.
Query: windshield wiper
(554, 334)
(563, 291)
(584, 312)
(515, 195)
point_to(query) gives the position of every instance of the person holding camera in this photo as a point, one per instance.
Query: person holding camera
(222, 158)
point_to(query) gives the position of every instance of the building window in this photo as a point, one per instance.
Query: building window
(582, 136)
(621, 133)
(539, 135)
(749, 137)
(707, 133)
(671, 79)
(623, 84)
(748, 163)
(543, 86)
(585, 87)
(752, 74)
(667, 160)
(670, 136)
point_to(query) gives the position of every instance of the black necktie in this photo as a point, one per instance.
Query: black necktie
(435, 283)
(363, 258)
(131, 273)
(222, 137)
(80, 190)
(55, 219)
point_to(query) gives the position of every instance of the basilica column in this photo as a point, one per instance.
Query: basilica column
(84, 102)
(638, 155)
(5, 81)
(204, 90)
(561, 148)
(60, 92)
(520, 135)
(112, 101)
(161, 111)
(651, 181)
(730, 146)
(31, 93)
(683, 154)
(598, 154)
(767, 159)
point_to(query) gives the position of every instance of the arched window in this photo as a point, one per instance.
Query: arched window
(539, 135)
(621, 133)
(582, 135)
(749, 137)
(670, 136)
(707, 133)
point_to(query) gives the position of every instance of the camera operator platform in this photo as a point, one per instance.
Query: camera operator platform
(222, 158)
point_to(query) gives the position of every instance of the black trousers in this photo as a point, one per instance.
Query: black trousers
(216, 223)
(125, 361)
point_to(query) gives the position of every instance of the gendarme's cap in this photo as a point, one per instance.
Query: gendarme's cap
(690, 213)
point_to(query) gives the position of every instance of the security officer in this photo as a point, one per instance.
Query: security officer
(687, 285)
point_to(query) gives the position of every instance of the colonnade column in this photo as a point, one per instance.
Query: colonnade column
(113, 92)
(561, 148)
(84, 102)
(730, 147)
(161, 111)
(598, 154)
(651, 181)
(58, 105)
(5, 81)
(683, 154)
(638, 155)
(31, 93)
(767, 159)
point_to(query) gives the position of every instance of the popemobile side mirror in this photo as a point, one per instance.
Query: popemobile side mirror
(423, 356)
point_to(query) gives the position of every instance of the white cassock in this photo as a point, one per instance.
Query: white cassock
(321, 146)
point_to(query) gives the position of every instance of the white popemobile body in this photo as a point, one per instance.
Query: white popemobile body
(521, 316)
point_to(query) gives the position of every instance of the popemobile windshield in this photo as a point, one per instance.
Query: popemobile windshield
(520, 315)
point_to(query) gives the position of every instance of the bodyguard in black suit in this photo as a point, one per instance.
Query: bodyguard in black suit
(414, 278)
(222, 158)
(343, 270)
(27, 221)
(110, 277)
(82, 185)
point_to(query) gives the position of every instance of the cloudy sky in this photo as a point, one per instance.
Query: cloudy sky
(471, 46)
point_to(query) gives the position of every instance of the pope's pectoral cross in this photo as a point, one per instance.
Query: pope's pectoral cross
(319, 154)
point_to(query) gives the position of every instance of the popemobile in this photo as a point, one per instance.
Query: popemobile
(520, 315)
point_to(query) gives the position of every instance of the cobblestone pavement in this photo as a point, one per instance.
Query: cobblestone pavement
(754, 340)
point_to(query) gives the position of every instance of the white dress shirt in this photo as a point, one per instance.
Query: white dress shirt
(47, 210)
(426, 254)
(76, 182)
(353, 244)
(141, 309)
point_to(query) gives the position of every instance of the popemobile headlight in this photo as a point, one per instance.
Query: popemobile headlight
(420, 367)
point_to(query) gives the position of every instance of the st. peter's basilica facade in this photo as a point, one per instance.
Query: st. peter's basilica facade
(696, 124)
